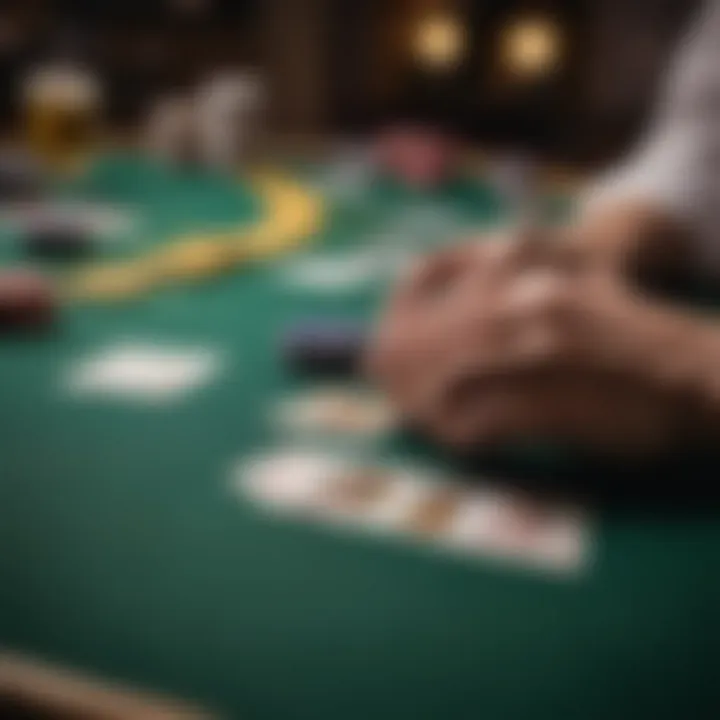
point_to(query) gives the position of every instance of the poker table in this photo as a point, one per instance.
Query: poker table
(123, 552)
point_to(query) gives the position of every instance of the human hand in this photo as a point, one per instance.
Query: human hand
(504, 340)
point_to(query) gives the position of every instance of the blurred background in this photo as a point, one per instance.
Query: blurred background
(572, 79)
(186, 273)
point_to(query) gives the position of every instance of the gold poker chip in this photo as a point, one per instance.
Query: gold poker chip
(293, 215)
(193, 258)
(116, 281)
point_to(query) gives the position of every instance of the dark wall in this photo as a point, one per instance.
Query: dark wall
(343, 65)
(615, 54)
(139, 47)
(632, 44)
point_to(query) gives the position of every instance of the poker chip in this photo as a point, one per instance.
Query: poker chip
(417, 155)
(193, 259)
(27, 301)
(292, 215)
(115, 281)
(54, 237)
(324, 347)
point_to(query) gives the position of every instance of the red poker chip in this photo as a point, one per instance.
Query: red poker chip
(419, 156)
(27, 300)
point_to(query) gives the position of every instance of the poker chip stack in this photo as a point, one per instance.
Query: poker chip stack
(27, 301)
(327, 348)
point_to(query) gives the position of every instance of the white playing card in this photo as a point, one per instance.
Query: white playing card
(143, 372)
(470, 520)
(107, 223)
(517, 527)
(292, 479)
(331, 272)
(335, 410)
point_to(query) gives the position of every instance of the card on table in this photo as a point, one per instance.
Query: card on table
(467, 518)
(144, 372)
(331, 272)
(335, 410)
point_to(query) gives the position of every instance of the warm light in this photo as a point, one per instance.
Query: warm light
(439, 42)
(531, 47)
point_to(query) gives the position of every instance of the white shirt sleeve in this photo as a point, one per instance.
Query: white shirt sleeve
(677, 164)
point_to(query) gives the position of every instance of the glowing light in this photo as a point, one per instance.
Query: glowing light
(439, 42)
(531, 47)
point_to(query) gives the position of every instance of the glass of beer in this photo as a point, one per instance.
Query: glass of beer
(61, 111)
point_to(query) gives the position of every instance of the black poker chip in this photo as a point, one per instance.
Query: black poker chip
(57, 238)
(324, 348)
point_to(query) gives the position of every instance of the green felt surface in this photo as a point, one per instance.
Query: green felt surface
(123, 552)
(155, 202)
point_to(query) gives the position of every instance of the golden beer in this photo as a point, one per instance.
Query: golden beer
(61, 115)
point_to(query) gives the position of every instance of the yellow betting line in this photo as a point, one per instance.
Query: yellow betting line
(293, 214)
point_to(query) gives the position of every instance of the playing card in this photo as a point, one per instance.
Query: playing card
(471, 520)
(143, 372)
(519, 527)
(351, 495)
(331, 272)
(335, 410)
(293, 479)
(107, 223)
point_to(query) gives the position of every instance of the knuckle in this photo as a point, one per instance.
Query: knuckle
(553, 300)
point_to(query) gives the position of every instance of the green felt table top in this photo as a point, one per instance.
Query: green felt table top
(122, 551)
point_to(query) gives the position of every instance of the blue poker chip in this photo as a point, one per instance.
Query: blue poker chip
(324, 347)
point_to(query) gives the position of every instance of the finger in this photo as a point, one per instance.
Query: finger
(495, 420)
(509, 408)
(533, 248)
(524, 248)
(432, 276)
(406, 323)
